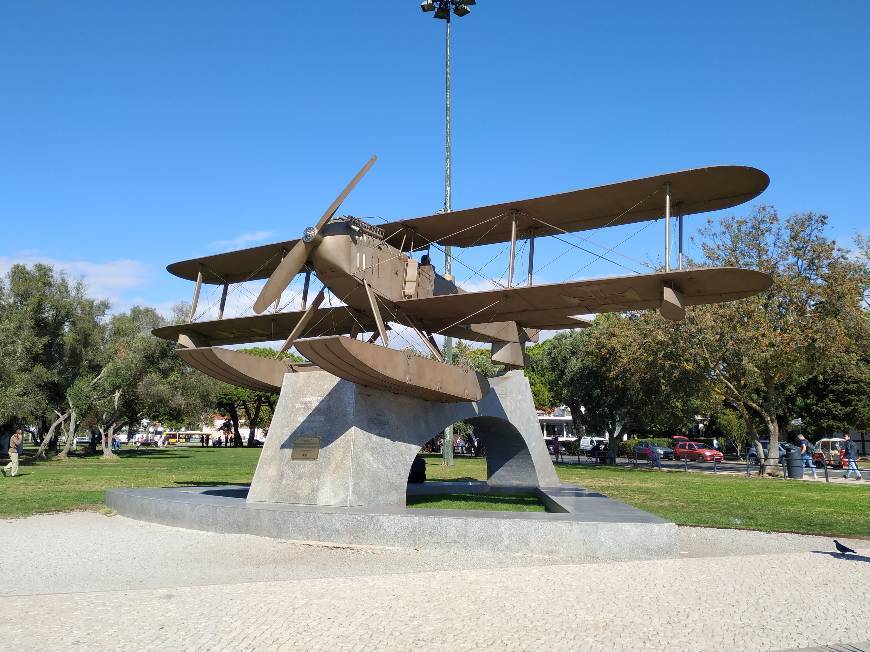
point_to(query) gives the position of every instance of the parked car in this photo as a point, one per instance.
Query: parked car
(695, 451)
(752, 456)
(586, 443)
(599, 451)
(731, 449)
(830, 451)
(551, 447)
(643, 449)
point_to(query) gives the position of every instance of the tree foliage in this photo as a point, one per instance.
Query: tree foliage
(50, 336)
(62, 356)
(796, 351)
(761, 350)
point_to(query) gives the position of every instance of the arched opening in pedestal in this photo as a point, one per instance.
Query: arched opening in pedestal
(495, 458)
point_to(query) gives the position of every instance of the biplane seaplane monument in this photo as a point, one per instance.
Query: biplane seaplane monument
(350, 421)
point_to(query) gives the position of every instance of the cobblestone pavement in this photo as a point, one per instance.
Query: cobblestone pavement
(741, 602)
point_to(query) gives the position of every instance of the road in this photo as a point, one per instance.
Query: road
(728, 466)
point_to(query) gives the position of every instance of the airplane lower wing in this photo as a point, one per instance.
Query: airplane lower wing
(552, 305)
(269, 327)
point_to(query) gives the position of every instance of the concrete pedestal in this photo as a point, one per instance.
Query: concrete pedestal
(334, 443)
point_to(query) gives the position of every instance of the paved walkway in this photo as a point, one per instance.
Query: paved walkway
(728, 467)
(112, 583)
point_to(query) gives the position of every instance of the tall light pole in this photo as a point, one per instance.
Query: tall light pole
(442, 9)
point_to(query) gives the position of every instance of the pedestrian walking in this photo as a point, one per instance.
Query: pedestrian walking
(851, 458)
(807, 454)
(16, 449)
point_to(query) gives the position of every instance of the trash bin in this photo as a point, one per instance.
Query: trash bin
(794, 462)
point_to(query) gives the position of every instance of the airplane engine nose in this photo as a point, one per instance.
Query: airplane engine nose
(333, 255)
(311, 236)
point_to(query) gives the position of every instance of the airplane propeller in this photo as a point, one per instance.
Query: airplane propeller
(295, 259)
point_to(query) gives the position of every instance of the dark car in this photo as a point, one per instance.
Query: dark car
(598, 451)
(731, 449)
(752, 456)
(644, 448)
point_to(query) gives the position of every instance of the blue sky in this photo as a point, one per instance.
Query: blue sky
(139, 133)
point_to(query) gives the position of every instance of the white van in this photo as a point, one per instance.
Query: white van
(586, 443)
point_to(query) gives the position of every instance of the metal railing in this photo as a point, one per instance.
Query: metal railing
(749, 465)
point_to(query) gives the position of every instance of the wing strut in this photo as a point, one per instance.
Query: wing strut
(427, 338)
(303, 321)
(531, 254)
(195, 295)
(513, 248)
(223, 301)
(668, 226)
(376, 313)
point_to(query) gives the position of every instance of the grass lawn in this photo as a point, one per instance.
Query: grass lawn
(685, 498)
(516, 503)
(81, 483)
(717, 501)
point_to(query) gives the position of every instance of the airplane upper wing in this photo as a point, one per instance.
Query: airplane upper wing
(539, 305)
(234, 266)
(269, 327)
(692, 191)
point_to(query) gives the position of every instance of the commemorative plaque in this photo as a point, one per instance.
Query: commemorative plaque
(305, 448)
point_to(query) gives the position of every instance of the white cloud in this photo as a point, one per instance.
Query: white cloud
(242, 240)
(105, 280)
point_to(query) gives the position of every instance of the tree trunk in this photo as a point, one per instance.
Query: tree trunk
(70, 437)
(252, 422)
(130, 426)
(771, 462)
(46, 441)
(52, 443)
(108, 435)
(234, 417)
(613, 442)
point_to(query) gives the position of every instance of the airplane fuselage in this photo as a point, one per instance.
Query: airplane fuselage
(352, 253)
(348, 256)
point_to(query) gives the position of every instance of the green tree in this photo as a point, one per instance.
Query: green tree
(624, 375)
(731, 425)
(536, 373)
(51, 334)
(836, 400)
(144, 378)
(762, 349)
(257, 407)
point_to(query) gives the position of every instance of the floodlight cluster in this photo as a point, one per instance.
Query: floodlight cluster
(442, 7)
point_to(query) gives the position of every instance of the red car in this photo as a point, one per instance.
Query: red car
(695, 451)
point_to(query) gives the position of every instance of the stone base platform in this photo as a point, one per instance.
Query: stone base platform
(579, 524)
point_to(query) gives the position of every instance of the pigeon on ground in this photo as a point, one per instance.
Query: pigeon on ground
(842, 549)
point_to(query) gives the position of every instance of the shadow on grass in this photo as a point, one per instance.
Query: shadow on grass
(465, 478)
(205, 483)
(151, 452)
(593, 466)
(837, 555)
